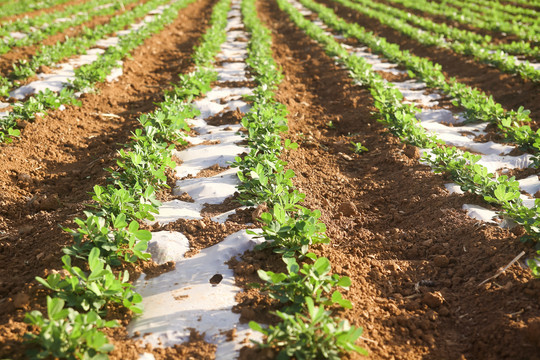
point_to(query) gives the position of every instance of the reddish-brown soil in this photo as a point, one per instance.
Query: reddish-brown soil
(415, 259)
(46, 176)
(509, 90)
(23, 53)
(59, 7)
(498, 37)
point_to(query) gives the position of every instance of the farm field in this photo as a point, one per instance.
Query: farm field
(260, 179)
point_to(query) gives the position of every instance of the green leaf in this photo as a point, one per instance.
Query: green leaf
(255, 326)
(322, 265)
(55, 308)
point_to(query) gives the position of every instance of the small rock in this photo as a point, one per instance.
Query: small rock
(428, 242)
(48, 203)
(433, 299)
(191, 228)
(201, 224)
(21, 300)
(441, 261)
(25, 229)
(216, 279)
(348, 209)
(412, 152)
(44, 69)
(346, 157)
(537, 194)
(24, 178)
(443, 311)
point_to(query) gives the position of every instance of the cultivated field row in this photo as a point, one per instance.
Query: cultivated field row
(261, 179)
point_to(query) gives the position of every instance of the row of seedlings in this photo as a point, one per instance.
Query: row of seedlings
(57, 88)
(199, 294)
(109, 235)
(401, 120)
(497, 11)
(467, 17)
(20, 7)
(48, 55)
(520, 47)
(308, 330)
(30, 31)
(478, 106)
(498, 58)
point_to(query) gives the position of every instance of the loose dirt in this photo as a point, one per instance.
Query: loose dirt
(415, 259)
(46, 176)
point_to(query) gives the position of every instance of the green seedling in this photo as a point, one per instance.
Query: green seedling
(93, 290)
(315, 335)
(358, 148)
(67, 334)
(311, 280)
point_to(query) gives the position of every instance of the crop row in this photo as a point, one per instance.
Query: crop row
(19, 7)
(401, 121)
(478, 106)
(496, 12)
(86, 76)
(35, 30)
(48, 55)
(467, 17)
(109, 234)
(465, 37)
(307, 328)
(510, 8)
(531, 3)
(397, 20)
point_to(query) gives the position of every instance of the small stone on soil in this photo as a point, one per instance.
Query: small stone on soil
(348, 209)
(412, 152)
(433, 299)
(441, 261)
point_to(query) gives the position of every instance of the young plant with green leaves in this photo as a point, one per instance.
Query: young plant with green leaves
(310, 336)
(93, 290)
(358, 148)
(292, 231)
(312, 280)
(67, 334)
(400, 119)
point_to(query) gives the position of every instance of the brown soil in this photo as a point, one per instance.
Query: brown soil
(203, 233)
(415, 259)
(509, 90)
(497, 36)
(226, 118)
(21, 53)
(34, 13)
(46, 176)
